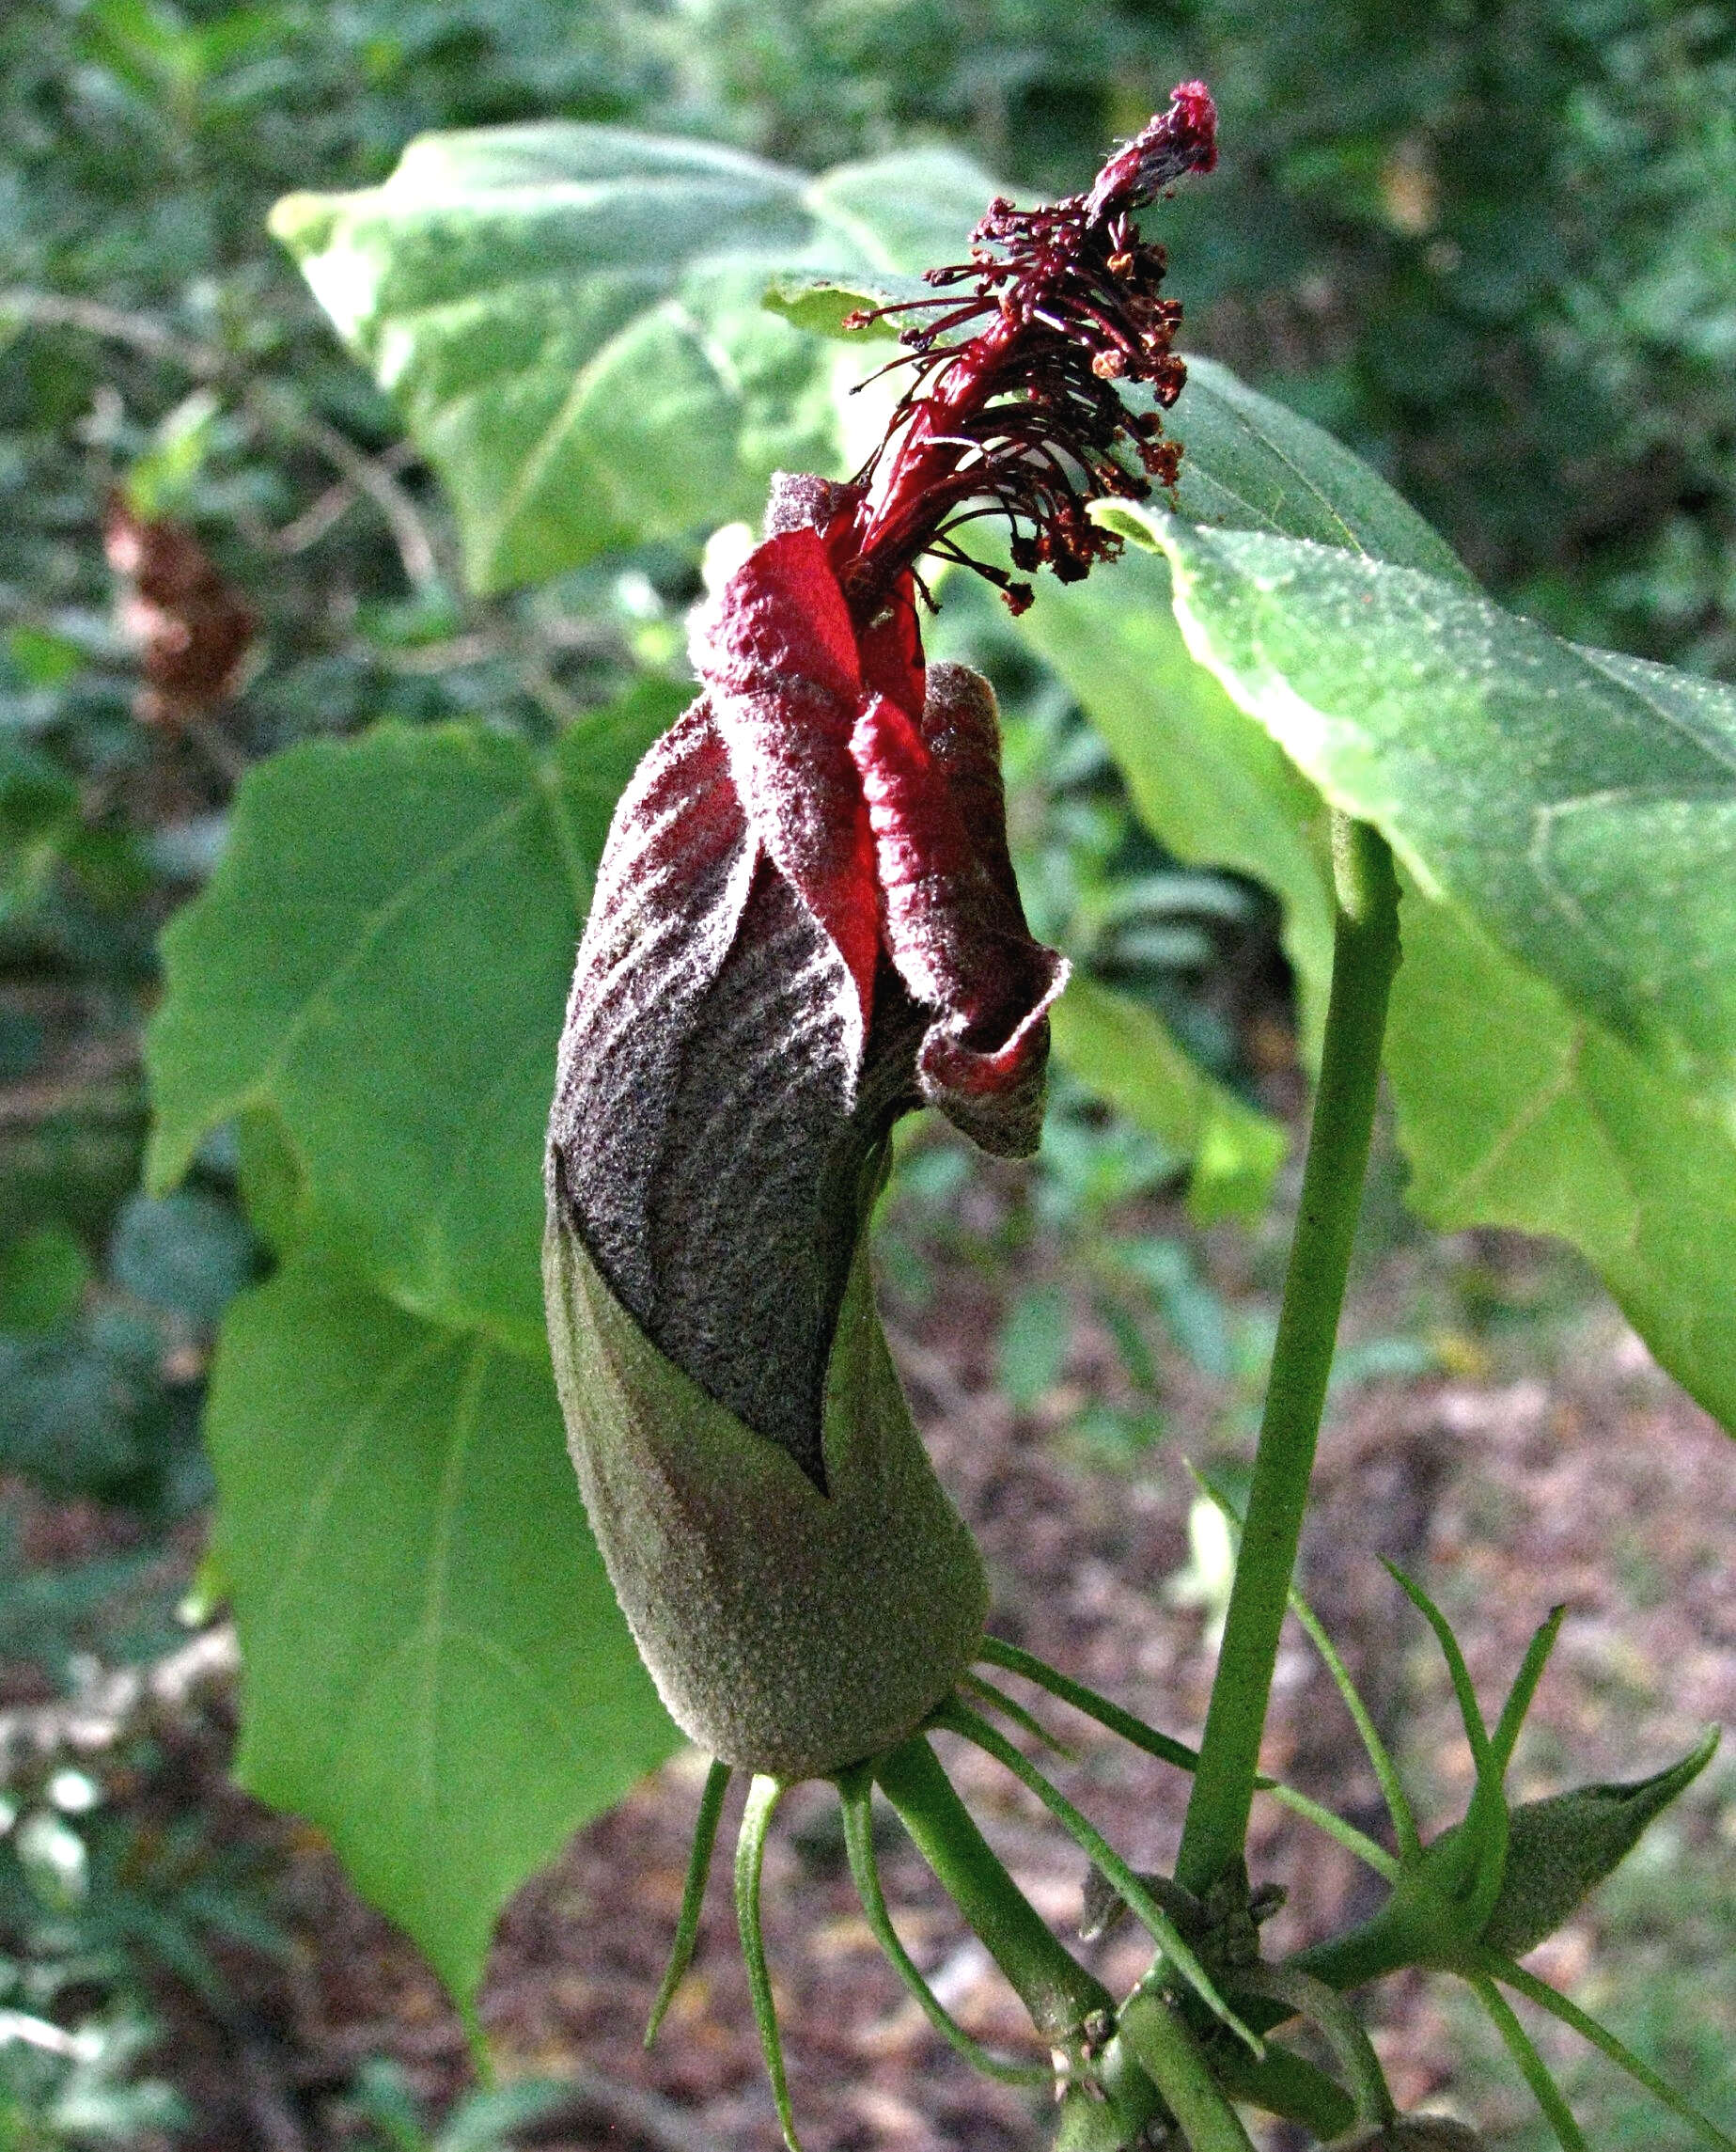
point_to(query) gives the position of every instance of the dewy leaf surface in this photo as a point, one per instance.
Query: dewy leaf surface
(435, 1670)
(1561, 1037)
(570, 318)
(381, 963)
(1581, 812)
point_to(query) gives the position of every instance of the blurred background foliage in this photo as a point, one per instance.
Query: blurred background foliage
(1492, 244)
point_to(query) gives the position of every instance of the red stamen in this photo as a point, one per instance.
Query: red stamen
(1025, 418)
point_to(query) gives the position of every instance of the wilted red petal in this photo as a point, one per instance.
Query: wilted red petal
(670, 892)
(715, 1104)
(778, 651)
(954, 925)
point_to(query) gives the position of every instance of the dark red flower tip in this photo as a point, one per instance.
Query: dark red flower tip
(1015, 405)
(1183, 139)
(877, 796)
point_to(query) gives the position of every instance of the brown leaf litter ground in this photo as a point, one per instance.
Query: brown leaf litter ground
(1564, 1468)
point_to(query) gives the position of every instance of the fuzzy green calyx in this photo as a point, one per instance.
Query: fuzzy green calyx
(1554, 1854)
(1560, 1850)
(790, 1632)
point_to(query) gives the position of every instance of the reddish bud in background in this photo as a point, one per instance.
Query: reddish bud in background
(192, 629)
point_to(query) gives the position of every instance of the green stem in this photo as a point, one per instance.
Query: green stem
(1385, 1770)
(986, 1693)
(1169, 2052)
(1058, 1992)
(1386, 1942)
(1148, 1738)
(1532, 2067)
(1284, 2084)
(693, 1894)
(996, 1652)
(1341, 2028)
(856, 1794)
(958, 1718)
(1606, 2042)
(1365, 956)
(763, 1796)
(1060, 1995)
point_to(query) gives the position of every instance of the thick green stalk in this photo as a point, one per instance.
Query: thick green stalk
(1365, 957)
(1054, 1987)
(763, 1794)
(960, 1719)
(1060, 1995)
(1170, 2055)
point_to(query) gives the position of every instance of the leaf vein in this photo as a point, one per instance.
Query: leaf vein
(325, 1491)
(370, 928)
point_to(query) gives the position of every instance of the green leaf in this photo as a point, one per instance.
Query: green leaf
(1529, 1116)
(1567, 821)
(1252, 464)
(569, 319)
(436, 1673)
(1202, 776)
(1580, 808)
(380, 965)
(1124, 1052)
(899, 212)
(1032, 1347)
(42, 657)
(43, 1276)
(823, 303)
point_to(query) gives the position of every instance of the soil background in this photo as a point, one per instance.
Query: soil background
(1589, 1481)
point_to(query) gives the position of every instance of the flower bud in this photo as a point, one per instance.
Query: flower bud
(805, 926)
(1560, 1850)
(192, 630)
(806, 923)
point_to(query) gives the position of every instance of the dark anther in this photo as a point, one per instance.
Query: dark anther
(1014, 405)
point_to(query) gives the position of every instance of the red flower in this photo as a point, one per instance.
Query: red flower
(878, 799)
(805, 921)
